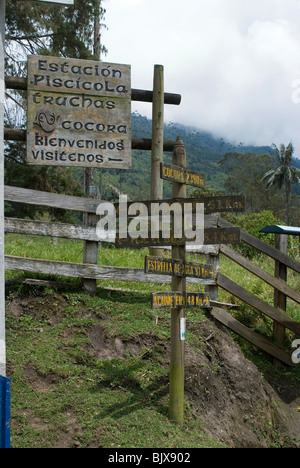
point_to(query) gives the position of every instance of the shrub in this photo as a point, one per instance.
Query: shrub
(253, 223)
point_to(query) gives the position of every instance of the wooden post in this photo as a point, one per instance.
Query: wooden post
(213, 259)
(156, 192)
(2, 271)
(280, 297)
(176, 402)
(90, 252)
(4, 381)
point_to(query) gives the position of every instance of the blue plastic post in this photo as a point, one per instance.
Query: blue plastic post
(4, 412)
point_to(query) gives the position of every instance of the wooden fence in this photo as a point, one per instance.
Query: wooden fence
(278, 315)
(68, 231)
(95, 271)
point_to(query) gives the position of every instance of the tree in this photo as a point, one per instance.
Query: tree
(285, 174)
(53, 29)
(46, 29)
(244, 172)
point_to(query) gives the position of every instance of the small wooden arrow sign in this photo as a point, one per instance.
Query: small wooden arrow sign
(174, 267)
(178, 300)
(183, 176)
(211, 236)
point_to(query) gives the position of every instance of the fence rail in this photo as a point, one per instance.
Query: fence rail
(97, 272)
(140, 95)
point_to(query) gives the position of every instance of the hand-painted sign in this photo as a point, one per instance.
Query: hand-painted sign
(223, 203)
(184, 176)
(177, 300)
(174, 267)
(222, 236)
(79, 113)
(216, 204)
(211, 236)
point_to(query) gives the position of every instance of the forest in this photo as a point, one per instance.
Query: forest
(229, 168)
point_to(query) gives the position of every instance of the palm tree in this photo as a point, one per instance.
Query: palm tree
(284, 174)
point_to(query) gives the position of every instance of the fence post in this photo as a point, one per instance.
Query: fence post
(280, 297)
(90, 251)
(213, 259)
(157, 147)
(2, 271)
(176, 403)
(4, 381)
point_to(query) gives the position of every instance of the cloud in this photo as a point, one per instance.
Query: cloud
(125, 3)
(233, 62)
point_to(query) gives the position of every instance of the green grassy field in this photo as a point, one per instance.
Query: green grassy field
(63, 390)
(72, 251)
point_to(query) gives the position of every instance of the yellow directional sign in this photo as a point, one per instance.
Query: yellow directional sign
(174, 267)
(212, 236)
(178, 300)
(183, 176)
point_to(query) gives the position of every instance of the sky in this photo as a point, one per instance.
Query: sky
(236, 63)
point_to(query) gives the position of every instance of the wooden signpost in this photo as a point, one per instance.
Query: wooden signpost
(79, 113)
(221, 203)
(166, 211)
(2, 272)
(4, 381)
(173, 267)
(178, 300)
(212, 236)
(183, 176)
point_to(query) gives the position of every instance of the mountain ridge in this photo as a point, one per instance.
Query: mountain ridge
(204, 151)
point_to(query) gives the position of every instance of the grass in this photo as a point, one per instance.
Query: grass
(62, 389)
(58, 382)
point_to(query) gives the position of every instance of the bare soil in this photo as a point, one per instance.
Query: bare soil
(236, 404)
(226, 392)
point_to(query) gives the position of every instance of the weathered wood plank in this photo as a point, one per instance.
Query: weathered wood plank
(54, 200)
(68, 231)
(257, 303)
(211, 236)
(146, 144)
(175, 267)
(41, 228)
(15, 134)
(226, 319)
(78, 113)
(265, 248)
(79, 270)
(222, 203)
(140, 95)
(277, 283)
(197, 249)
